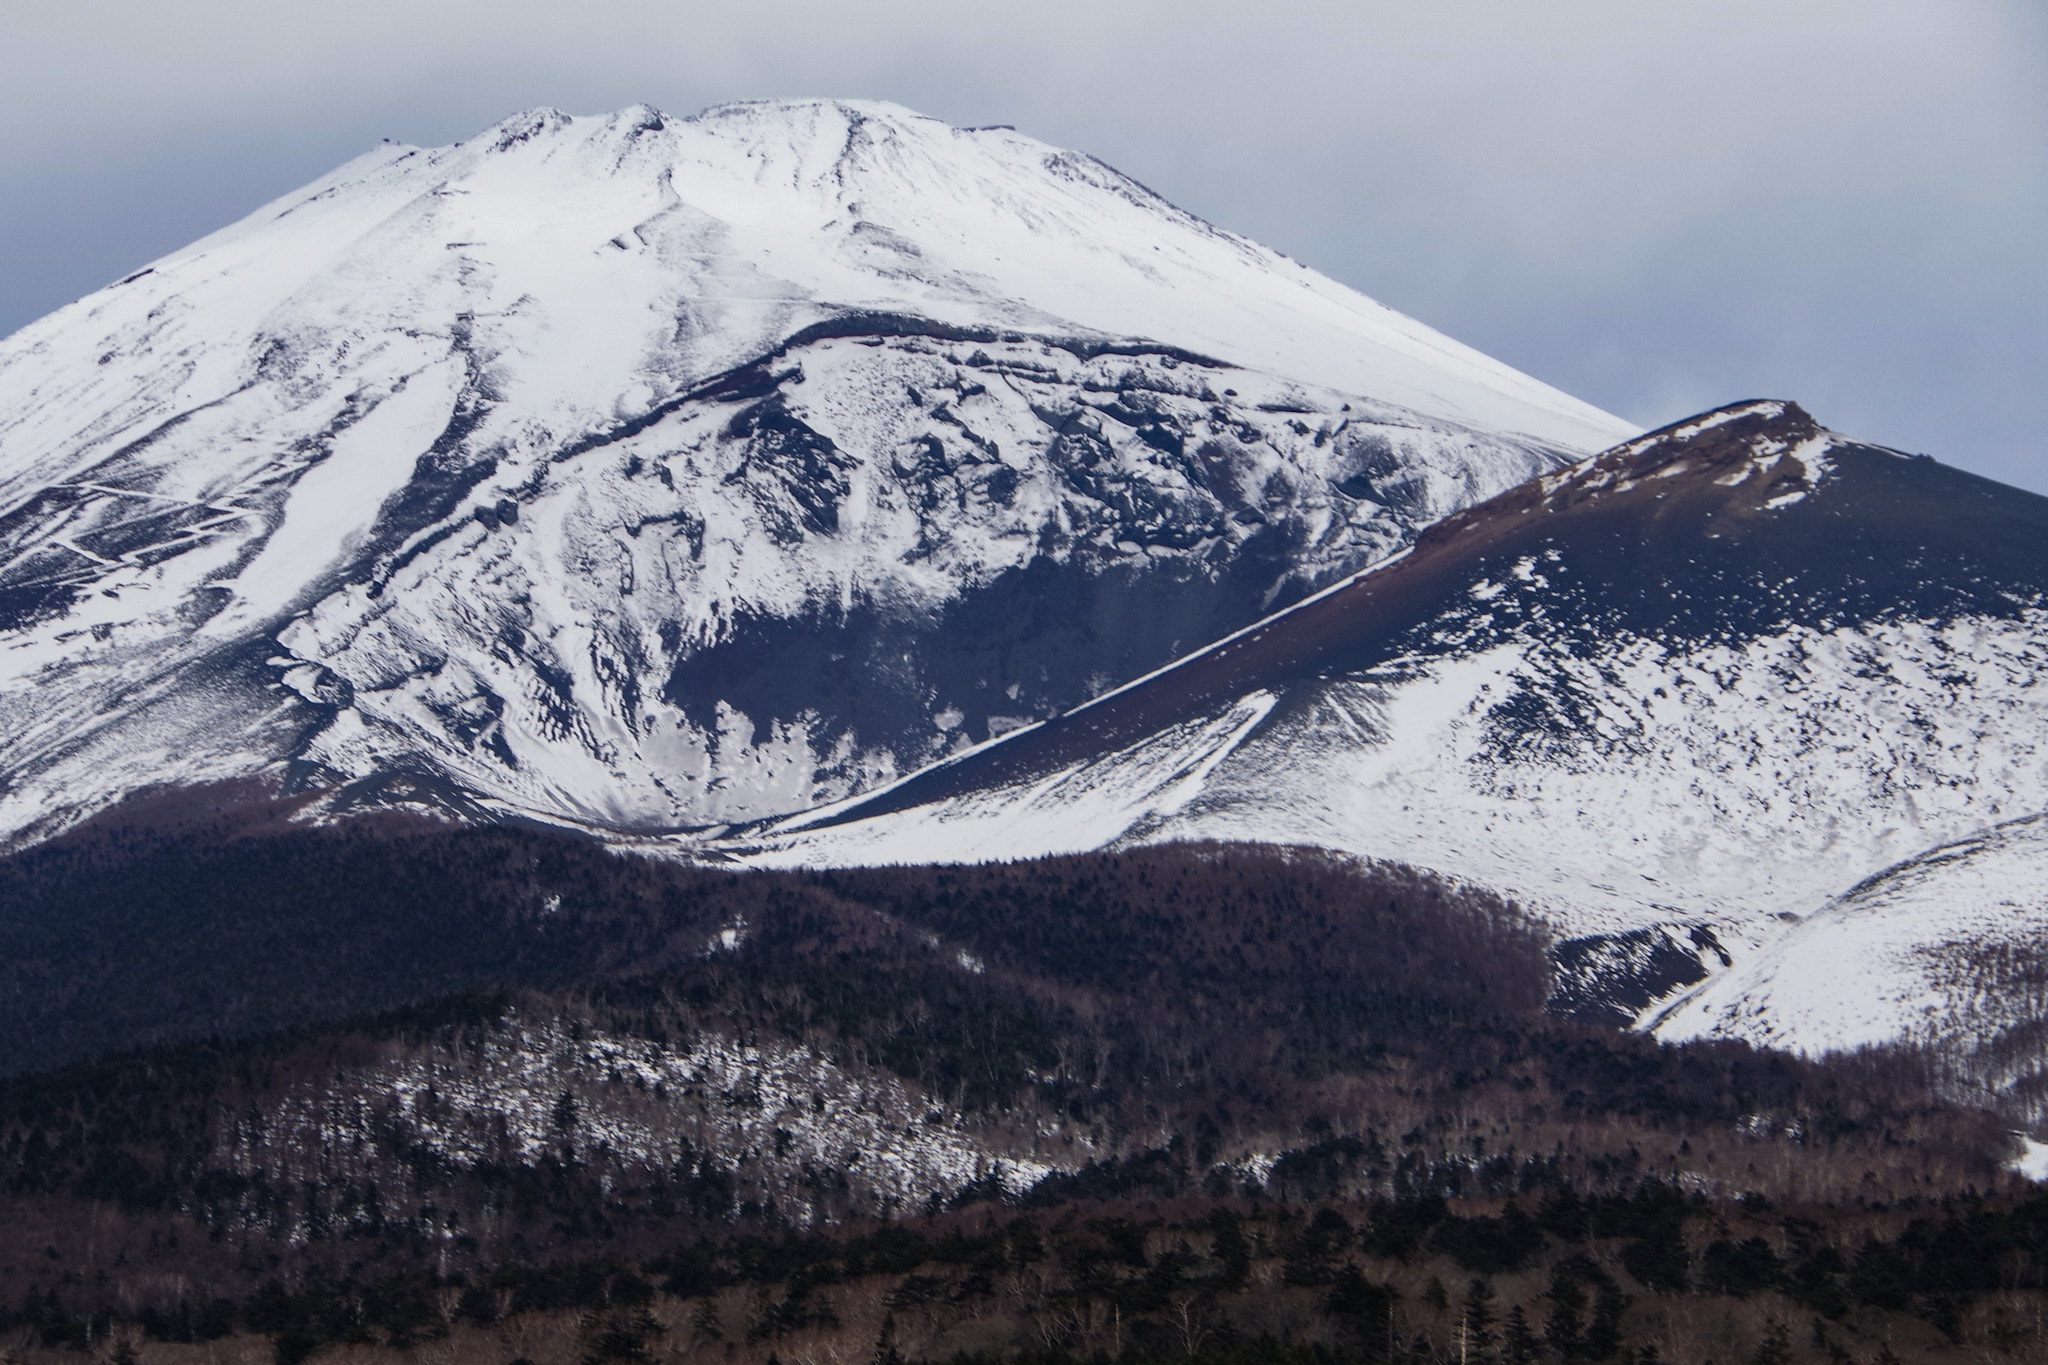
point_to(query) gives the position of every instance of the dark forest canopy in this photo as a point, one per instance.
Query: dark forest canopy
(130, 935)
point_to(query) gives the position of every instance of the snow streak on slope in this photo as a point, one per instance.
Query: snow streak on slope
(1083, 807)
(538, 453)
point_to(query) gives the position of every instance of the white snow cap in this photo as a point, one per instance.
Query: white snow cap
(754, 219)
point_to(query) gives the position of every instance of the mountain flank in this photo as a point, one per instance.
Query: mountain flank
(1678, 699)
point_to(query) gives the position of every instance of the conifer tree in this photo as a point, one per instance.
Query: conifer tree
(887, 1352)
(1603, 1334)
(1519, 1343)
(1476, 1339)
(1564, 1329)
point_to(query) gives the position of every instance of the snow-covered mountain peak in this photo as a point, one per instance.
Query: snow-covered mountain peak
(753, 220)
(653, 472)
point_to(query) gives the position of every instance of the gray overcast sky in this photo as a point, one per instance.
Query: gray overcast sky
(1657, 205)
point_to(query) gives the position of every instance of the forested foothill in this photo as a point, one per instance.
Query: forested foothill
(395, 1089)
